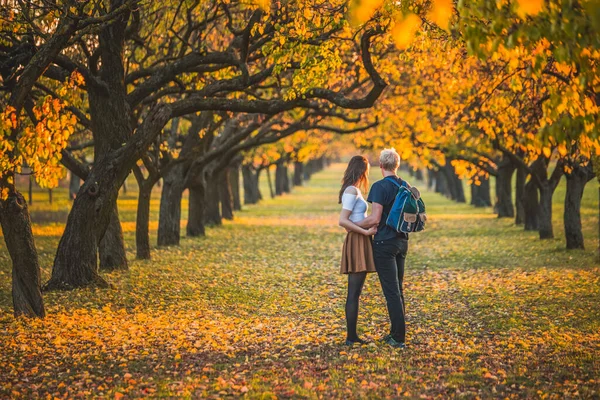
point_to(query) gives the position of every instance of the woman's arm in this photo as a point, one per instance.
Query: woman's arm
(351, 226)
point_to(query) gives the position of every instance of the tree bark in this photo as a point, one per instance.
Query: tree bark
(419, 175)
(234, 179)
(212, 212)
(112, 246)
(225, 194)
(480, 194)
(298, 173)
(546, 188)
(531, 206)
(270, 182)
(520, 193)
(169, 219)
(196, 208)
(286, 179)
(16, 228)
(441, 183)
(309, 169)
(279, 179)
(74, 185)
(545, 214)
(576, 181)
(30, 189)
(76, 260)
(250, 180)
(453, 183)
(142, 221)
(504, 203)
(430, 178)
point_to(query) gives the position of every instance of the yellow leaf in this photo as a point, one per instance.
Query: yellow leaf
(405, 30)
(441, 13)
(562, 150)
(363, 10)
(529, 7)
(264, 4)
(547, 152)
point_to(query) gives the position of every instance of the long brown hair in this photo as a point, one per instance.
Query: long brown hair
(356, 174)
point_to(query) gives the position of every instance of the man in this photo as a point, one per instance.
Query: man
(389, 246)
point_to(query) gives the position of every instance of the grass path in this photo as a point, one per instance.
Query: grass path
(256, 309)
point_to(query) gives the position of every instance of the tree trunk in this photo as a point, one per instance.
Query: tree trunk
(74, 185)
(270, 182)
(504, 204)
(453, 183)
(520, 193)
(298, 173)
(546, 187)
(257, 184)
(169, 219)
(225, 194)
(142, 234)
(30, 189)
(576, 181)
(419, 175)
(50, 196)
(76, 261)
(212, 212)
(234, 179)
(279, 179)
(112, 247)
(250, 178)
(16, 228)
(441, 183)
(286, 179)
(458, 188)
(480, 194)
(430, 178)
(531, 206)
(309, 169)
(196, 210)
(545, 222)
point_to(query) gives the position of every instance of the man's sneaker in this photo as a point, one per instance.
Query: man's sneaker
(357, 341)
(394, 343)
(385, 338)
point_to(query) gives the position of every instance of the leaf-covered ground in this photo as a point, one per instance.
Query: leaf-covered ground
(256, 309)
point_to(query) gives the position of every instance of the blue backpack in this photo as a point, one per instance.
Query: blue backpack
(408, 211)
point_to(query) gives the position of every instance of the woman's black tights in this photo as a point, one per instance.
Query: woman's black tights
(355, 285)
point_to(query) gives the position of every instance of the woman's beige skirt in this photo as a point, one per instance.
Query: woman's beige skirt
(357, 254)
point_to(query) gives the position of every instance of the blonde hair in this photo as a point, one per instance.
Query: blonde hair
(389, 159)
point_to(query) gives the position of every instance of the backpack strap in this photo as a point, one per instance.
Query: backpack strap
(395, 182)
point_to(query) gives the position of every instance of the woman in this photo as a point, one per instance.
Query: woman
(357, 253)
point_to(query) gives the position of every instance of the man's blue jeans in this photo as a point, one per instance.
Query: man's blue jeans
(390, 256)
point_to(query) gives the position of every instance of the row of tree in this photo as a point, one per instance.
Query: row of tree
(515, 98)
(177, 91)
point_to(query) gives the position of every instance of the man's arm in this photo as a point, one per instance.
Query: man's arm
(374, 218)
(354, 227)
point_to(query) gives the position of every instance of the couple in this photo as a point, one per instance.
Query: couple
(385, 254)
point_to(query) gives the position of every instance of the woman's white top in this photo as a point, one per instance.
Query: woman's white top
(355, 203)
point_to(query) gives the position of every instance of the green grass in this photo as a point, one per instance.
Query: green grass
(256, 309)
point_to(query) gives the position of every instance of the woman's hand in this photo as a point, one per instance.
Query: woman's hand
(371, 231)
